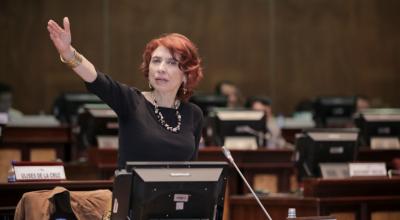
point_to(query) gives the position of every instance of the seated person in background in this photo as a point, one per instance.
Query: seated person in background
(229, 89)
(274, 136)
(362, 103)
(6, 97)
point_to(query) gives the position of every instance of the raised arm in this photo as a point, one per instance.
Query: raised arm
(62, 41)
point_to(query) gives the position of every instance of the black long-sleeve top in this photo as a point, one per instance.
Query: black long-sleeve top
(141, 136)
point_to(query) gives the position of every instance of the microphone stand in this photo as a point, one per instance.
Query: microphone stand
(228, 155)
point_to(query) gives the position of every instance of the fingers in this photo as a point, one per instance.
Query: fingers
(51, 28)
(52, 24)
(54, 32)
(66, 25)
(54, 27)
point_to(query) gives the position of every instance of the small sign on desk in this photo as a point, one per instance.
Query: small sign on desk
(385, 143)
(38, 171)
(241, 143)
(3, 118)
(367, 169)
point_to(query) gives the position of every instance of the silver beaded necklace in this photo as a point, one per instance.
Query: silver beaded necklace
(161, 119)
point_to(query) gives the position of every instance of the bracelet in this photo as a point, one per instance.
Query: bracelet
(75, 61)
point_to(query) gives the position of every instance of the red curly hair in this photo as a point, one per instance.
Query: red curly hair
(189, 62)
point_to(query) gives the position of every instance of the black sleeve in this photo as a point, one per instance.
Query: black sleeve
(198, 127)
(118, 96)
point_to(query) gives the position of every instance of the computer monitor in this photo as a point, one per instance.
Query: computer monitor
(3, 121)
(170, 190)
(3, 118)
(237, 126)
(208, 101)
(334, 111)
(66, 107)
(379, 128)
(315, 146)
(97, 122)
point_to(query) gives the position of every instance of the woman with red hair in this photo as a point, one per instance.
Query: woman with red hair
(154, 125)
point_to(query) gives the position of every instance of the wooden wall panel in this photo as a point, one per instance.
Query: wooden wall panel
(286, 49)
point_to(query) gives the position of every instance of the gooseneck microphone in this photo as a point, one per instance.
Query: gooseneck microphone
(228, 155)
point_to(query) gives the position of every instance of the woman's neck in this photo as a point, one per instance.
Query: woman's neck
(164, 99)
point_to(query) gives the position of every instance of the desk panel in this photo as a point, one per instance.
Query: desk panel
(27, 138)
(251, 162)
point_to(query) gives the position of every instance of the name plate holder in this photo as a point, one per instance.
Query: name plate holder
(334, 170)
(240, 143)
(385, 143)
(107, 142)
(367, 169)
(345, 170)
(38, 171)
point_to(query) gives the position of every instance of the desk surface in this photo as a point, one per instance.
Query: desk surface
(71, 185)
(356, 186)
(52, 134)
(25, 139)
(359, 196)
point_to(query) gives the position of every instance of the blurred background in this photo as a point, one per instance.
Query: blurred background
(288, 50)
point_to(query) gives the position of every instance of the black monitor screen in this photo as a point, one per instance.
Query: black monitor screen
(176, 190)
(66, 106)
(227, 123)
(334, 111)
(3, 121)
(207, 102)
(96, 121)
(378, 124)
(317, 146)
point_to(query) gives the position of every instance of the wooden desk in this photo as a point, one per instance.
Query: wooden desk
(11, 193)
(251, 162)
(245, 206)
(387, 156)
(278, 162)
(27, 138)
(358, 197)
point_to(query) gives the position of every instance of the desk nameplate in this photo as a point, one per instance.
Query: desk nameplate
(367, 169)
(39, 172)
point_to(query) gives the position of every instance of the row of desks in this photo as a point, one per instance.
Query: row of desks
(275, 162)
(353, 198)
(271, 161)
(27, 138)
(360, 197)
(60, 139)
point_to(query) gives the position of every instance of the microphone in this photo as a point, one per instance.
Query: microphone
(228, 155)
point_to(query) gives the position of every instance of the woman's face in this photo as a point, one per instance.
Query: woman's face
(164, 72)
(261, 107)
(230, 91)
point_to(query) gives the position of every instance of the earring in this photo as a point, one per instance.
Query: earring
(151, 87)
(184, 89)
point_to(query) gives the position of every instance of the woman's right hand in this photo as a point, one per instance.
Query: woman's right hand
(61, 38)
(62, 41)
